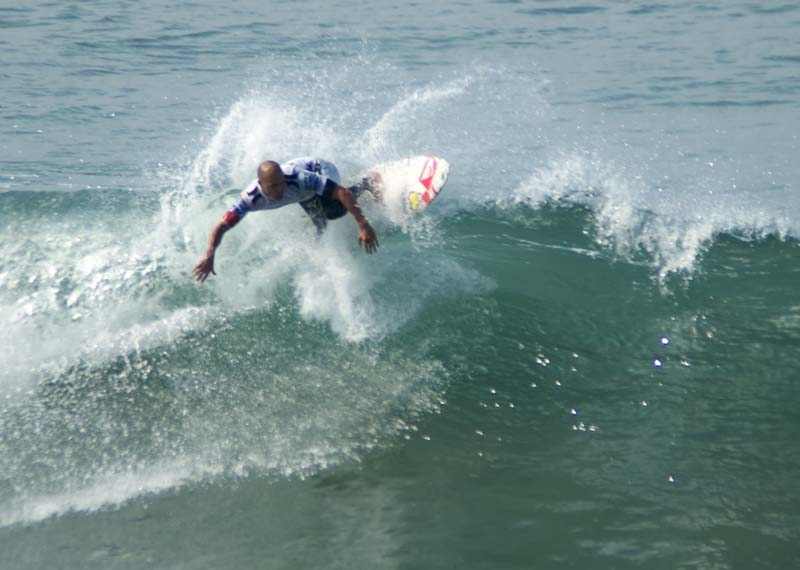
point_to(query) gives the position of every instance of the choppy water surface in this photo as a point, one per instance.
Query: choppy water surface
(584, 354)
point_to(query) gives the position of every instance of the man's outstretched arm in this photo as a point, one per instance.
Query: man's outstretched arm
(206, 264)
(366, 235)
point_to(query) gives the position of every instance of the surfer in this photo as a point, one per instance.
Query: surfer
(311, 182)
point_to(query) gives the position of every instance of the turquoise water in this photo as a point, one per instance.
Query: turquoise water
(583, 355)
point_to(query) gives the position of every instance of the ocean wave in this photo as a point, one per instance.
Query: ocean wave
(635, 221)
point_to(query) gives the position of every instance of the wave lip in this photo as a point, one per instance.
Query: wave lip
(637, 222)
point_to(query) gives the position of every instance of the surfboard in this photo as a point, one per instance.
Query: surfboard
(410, 184)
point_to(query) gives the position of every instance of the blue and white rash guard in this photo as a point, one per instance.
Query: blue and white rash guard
(306, 177)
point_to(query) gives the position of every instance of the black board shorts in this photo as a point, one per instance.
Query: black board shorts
(323, 208)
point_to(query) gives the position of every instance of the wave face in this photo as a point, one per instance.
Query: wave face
(591, 335)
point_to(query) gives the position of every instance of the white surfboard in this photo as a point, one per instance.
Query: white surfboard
(410, 184)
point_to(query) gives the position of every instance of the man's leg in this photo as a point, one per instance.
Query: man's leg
(334, 209)
(321, 209)
(316, 212)
(371, 183)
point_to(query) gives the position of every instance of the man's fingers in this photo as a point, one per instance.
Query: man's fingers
(202, 270)
(370, 243)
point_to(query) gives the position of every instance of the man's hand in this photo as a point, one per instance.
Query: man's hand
(203, 268)
(206, 265)
(367, 237)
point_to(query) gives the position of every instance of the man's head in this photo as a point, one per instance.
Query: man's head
(270, 176)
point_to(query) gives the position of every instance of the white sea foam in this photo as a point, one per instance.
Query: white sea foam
(298, 419)
(381, 138)
(82, 297)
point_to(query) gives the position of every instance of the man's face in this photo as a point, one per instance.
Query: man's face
(274, 188)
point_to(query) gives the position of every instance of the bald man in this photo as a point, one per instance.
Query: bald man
(311, 182)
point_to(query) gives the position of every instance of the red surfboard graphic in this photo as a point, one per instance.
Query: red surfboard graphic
(426, 176)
